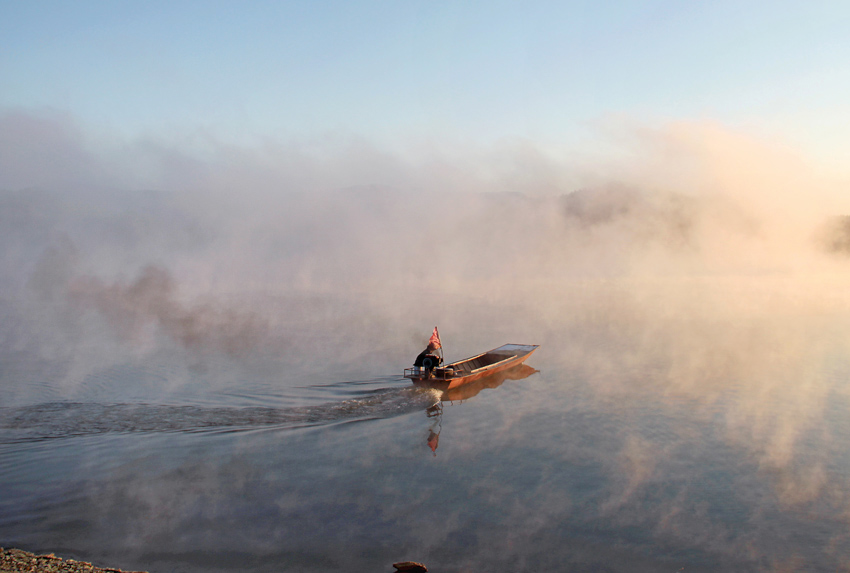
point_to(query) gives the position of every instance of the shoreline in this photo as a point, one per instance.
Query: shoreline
(20, 560)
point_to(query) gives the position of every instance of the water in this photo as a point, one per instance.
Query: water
(630, 442)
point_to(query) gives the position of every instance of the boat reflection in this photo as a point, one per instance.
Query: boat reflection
(465, 392)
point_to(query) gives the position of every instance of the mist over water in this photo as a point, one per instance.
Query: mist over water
(201, 339)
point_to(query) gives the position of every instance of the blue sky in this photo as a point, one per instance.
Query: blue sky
(477, 71)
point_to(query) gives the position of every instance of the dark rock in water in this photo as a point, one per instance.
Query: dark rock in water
(409, 567)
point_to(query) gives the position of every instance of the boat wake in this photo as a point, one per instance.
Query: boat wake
(69, 419)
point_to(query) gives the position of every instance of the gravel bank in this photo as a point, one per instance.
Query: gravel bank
(17, 560)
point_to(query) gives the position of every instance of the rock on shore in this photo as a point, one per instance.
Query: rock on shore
(17, 560)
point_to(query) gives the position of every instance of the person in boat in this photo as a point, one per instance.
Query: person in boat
(428, 358)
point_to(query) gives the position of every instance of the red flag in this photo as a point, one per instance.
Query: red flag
(435, 339)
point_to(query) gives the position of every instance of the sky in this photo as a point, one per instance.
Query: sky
(444, 72)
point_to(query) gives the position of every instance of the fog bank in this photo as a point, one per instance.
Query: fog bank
(292, 250)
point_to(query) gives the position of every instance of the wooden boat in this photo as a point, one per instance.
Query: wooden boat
(473, 368)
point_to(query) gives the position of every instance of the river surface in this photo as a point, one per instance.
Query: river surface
(630, 441)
